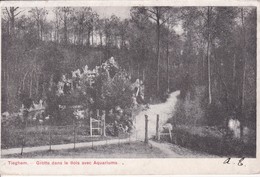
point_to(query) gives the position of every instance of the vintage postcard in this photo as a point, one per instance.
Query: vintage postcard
(129, 87)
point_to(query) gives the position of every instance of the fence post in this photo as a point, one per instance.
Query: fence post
(103, 118)
(157, 128)
(92, 143)
(74, 133)
(135, 130)
(97, 114)
(170, 133)
(146, 129)
(24, 136)
(50, 137)
(90, 127)
(22, 146)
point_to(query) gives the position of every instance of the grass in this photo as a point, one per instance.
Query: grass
(126, 150)
(38, 136)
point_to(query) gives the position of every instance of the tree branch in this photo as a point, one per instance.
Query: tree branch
(165, 20)
(8, 12)
(151, 11)
(150, 16)
(164, 11)
(16, 8)
(18, 13)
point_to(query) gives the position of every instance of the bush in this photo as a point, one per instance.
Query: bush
(117, 92)
(190, 111)
(215, 114)
(212, 141)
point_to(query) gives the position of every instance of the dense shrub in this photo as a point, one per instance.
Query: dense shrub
(215, 114)
(106, 88)
(200, 126)
(117, 92)
(190, 111)
(213, 143)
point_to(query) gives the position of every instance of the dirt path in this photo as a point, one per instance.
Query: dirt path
(165, 111)
(173, 151)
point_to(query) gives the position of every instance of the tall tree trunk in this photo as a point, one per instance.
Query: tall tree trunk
(24, 80)
(31, 84)
(12, 13)
(144, 81)
(7, 91)
(167, 56)
(88, 37)
(132, 67)
(208, 57)
(242, 99)
(122, 41)
(100, 36)
(234, 71)
(65, 29)
(8, 29)
(138, 71)
(143, 75)
(38, 30)
(203, 69)
(92, 37)
(37, 86)
(57, 31)
(12, 18)
(74, 37)
(41, 36)
(158, 53)
(234, 80)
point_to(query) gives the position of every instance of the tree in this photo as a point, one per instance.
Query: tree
(86, 21)
(250, 79)
(93, 24)
(208, 52)
(39, 15)
(114, 24)
(244, 58)
(123, 26)
(224, 52)
(82, 18)
(65, 15)
(56, 24)
(111, 34)
(141, 40)
(12, 13)
(100, 30)
(170, 40)
(158, 14)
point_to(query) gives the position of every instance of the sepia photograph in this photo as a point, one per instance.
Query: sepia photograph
(129, 82)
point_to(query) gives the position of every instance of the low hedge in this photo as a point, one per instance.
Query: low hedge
(217, 145)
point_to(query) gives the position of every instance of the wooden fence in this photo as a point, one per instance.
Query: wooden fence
(53, 135)
(159, 132)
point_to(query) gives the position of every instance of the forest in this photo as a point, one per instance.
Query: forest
(207, 53)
